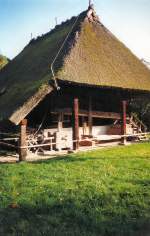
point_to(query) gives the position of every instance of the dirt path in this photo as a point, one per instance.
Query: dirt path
(13, 158)
(8, 159)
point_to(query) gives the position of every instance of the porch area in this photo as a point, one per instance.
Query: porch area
(77, 119)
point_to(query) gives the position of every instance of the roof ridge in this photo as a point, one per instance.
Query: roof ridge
(81, 16)
(89, 14)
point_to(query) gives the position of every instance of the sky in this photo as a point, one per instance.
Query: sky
(129, 20)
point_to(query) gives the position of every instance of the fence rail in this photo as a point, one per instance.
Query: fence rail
(8, 145)
(50, 144)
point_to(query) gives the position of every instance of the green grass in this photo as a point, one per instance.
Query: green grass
(105, 192)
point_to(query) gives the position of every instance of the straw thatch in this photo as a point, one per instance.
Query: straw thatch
(91, 56)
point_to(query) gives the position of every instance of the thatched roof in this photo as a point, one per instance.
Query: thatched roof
(91, 56)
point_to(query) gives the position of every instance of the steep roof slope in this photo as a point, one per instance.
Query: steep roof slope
(91, 55)
(25, 81)
(99, 58)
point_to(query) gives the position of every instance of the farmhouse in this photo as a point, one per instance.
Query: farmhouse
(70, 87)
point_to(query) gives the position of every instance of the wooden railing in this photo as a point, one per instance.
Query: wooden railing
(95, 114)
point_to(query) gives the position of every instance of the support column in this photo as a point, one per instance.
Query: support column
(23, 140)
(60, 122)
(124, 121)
(59, 133)
(90, 119)
(84, 128)
(76, 123)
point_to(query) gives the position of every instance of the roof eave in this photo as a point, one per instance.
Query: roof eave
(61, 81)
(30, 104)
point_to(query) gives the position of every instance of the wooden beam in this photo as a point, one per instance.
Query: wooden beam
(60, 121)
(90, 118)
(23, 141)
(58, 134)
(95, 114)
(75, 117)
(124, 121)
(84, 128)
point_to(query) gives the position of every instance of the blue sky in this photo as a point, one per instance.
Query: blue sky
(129, 20)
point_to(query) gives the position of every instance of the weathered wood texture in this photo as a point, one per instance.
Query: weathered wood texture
(75, 123)
(95, 114)
(124, 120)
(23, 140)
(90, 118)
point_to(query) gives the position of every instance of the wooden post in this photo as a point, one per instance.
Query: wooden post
(90, 119)
(59, 133)
(60, 121)
(23, 141)
(75, 124)
(84, 128)
(124, 121)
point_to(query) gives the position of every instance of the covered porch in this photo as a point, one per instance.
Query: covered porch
(78, 117)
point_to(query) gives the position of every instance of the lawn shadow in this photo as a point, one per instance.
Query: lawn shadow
(77, 158)
(144, 183)
(68, 158)
(67, 218)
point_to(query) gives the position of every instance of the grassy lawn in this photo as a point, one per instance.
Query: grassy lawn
(105, 192)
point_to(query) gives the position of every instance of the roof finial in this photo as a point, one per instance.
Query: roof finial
(91, 5)
(91, 14)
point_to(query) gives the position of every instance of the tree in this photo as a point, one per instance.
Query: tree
(141, 107)
(3, 61)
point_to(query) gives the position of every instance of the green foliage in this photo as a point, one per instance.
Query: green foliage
(104, 192)
(141, 107)
(3, 61)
